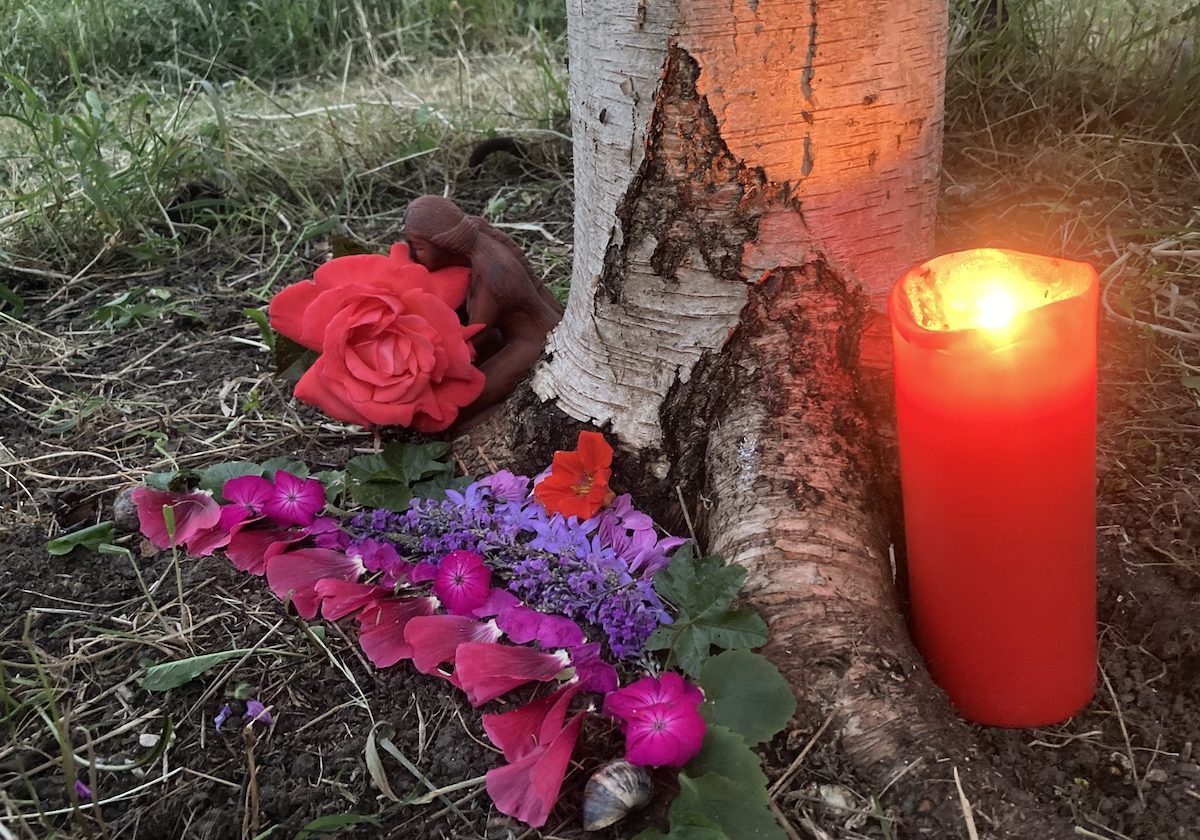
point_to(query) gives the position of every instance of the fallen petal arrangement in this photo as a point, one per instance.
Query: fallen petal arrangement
(497, 586)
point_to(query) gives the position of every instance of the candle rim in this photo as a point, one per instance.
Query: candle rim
(1085, 283)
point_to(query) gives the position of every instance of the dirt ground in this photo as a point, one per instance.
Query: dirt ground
(191, 388)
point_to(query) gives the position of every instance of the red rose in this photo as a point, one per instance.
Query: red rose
(393, 352)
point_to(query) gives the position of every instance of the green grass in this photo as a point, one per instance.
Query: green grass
(56, 44)
(1100, 66)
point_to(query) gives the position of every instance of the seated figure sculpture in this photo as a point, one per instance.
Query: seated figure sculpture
(504, 294)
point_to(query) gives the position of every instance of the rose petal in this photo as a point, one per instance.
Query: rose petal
(528, 788)
(339, 598)
(486, 671)
(381, 628)
(295, 575)
(519, 732)
(434, 638)
(193, 512)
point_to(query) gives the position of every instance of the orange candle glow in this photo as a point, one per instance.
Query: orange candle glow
(995, 365)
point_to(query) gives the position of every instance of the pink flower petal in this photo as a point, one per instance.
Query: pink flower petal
(528, 788)
(381, 628)
(295, 575)
(486, 671)
(664, 734)
(497, 600)
(205, 542)
(648, 691)
(339, 598)
(463, 582)
(250, 550)
(519, 732)
(434, 638)
(296, 501)
(524, 624)
(591, 670)
(193, 512)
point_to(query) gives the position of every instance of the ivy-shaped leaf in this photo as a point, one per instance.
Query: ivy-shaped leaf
(739, 811)
(726, 752)
(375, 482)
(416, 461)
(702, 591)
(746, 693)
(287, 464)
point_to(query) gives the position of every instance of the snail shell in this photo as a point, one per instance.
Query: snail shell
(613, 791)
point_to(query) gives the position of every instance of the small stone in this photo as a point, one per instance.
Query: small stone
(148, 740)
(1192, 771)
(1155, 775)
(125, 511)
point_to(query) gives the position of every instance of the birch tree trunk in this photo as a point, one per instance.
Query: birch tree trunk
(750, 177)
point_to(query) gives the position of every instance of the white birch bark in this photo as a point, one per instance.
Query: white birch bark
(839, 101)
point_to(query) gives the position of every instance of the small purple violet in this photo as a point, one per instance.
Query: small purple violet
(82, 790)
(256, 712)
(222, 716)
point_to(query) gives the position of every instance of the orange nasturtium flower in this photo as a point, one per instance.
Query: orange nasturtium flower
(578, 480)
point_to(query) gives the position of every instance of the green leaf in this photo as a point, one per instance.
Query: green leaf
(374, 481)
(745, 692)
(259, 317)
(285, 463)
(389, 495)
(335, 822)
(213, 478)
(435, 488)
(726, 752)
(292, 357)
(334, 482)
(738, 811)
(90, 537)
(416, 461)
(695, 827)
(702, 591)
(168, 675)
(13, 301)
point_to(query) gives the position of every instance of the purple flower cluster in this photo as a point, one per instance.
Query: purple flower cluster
(598, 571)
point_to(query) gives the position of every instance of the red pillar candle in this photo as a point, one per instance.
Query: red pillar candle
(995, 364)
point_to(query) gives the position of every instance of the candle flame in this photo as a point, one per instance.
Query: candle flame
(996, 308)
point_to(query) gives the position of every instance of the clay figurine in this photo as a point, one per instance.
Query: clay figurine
(503, 293)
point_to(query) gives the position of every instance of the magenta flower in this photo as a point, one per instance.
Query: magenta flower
(196, 514)
(528, 788)
(463, 582)
(295, 574)
(339, 597)
(519, 732)
(249, 493)
(524, 624)
(486, 671)
(381, 628)
(668, 688)
(661, 718)
(664, 734)
(296, 501)
(434, 638)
